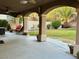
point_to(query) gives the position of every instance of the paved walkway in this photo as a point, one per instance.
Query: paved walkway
(22, 47)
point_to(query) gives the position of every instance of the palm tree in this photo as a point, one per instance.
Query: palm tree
(66, 13)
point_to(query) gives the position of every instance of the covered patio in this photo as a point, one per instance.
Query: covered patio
(23, 47)
(26, 47)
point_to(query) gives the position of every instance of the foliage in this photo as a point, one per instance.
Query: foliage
(21, 20)
(48, 26)
(33, 33)
(8, 27)
(64, 13)
(34, 16)
(3, 23)
(56, 24)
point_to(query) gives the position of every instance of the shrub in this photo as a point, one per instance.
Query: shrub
(78, 55)
(8, 27)
(48, 26)
(56, 24)
(3, 23)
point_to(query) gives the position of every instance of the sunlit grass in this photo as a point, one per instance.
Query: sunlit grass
(67, 35)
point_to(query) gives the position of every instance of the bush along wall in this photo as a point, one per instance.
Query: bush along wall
(56, 24)
(4, 23)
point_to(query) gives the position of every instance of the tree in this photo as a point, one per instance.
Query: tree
(66, 13)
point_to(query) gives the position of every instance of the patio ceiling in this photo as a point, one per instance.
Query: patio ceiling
(14, 7)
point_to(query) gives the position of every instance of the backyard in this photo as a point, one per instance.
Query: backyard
(66, 35)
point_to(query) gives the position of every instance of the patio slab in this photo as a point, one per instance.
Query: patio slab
(26, 47)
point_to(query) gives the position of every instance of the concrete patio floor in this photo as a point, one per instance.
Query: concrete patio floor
(26, 47)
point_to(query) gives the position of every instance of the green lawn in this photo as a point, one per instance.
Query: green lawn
(66, 35)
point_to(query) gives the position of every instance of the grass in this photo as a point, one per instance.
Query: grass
(66, 35)
(33, 33)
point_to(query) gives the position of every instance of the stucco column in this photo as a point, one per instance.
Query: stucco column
(42, 28)
(76, 46)
(14, 24)
(26, 25)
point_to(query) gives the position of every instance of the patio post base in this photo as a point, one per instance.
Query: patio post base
(76, 49)
(1, 42)
(25, 33)
(41, 38)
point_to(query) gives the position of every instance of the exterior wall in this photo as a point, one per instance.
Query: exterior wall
(33, 25)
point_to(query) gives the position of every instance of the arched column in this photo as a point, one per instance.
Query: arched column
(26, 24)
(13, 23)
(42, 28)
(76, 46)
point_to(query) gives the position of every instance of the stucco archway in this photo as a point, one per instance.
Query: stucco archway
(76, 46)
